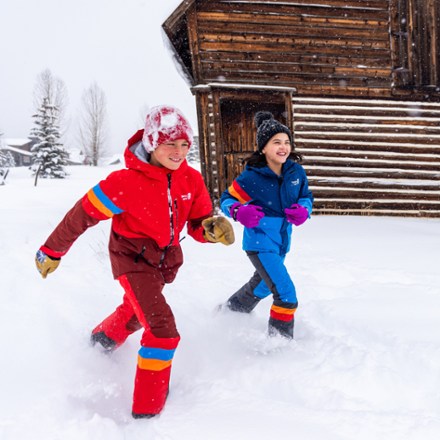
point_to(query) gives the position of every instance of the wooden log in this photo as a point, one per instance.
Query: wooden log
(368, 194)
(377, 184)
(283, 9)
(234, 18)
(371, 173)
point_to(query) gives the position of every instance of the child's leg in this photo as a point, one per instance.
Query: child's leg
(272, 271)
(158, 343)
(245, 299)
(115, 329)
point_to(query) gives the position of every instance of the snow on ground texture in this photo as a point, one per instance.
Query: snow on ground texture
(364, 364)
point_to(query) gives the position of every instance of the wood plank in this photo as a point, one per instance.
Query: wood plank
(346, 90)
(400, 138)
(342, 204)
(297, 58)
(378, 212)
(366, 114)
(368, 194)
(368, 4)
(284, 42)
(338, 11)
(307, 47)
(417, 148)
(206, 18)
(378, 184)
(310, 154)
(296, 79)
(373, 173)
(254, 68)
(381, 123)
(303, 101)
(384, 127)
(377, 164)
(278, 30)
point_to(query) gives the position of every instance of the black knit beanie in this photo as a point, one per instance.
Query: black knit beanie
(267, 127)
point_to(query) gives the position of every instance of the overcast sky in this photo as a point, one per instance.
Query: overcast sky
(117, 43)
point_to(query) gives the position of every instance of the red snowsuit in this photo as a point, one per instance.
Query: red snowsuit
(149, 207)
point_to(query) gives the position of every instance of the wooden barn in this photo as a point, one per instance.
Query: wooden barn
(358, 81)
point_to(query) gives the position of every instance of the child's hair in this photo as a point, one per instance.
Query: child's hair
(258, 160)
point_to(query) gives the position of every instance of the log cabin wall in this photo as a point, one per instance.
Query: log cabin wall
(364, 87)
(370, 157)
(320, 48)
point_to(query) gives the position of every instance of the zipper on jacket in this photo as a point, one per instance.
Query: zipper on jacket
(170, 208)
(171, 213)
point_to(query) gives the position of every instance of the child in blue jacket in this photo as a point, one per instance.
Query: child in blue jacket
(267, 198)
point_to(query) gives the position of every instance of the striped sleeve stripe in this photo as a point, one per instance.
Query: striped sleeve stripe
(236, 191)
(102, 203)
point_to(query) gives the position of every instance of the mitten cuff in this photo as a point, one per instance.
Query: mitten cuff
(52, 254)
(233, 210)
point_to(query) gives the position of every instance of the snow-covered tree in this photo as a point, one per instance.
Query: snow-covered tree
(6, 160)
(93, 124)
(48, 155)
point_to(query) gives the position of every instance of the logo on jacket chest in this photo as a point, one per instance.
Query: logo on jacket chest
(295, 182)
(186, 196)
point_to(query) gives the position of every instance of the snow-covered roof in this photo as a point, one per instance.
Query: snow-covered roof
(16, 150)
(18, 142)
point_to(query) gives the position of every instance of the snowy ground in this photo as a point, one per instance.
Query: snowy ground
(364, 364)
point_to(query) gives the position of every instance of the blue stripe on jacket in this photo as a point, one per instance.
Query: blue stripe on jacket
(106, 201)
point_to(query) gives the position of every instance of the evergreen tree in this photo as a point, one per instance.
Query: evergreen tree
(48, 155)
(6, 160)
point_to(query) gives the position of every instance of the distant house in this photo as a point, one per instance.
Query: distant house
(20, 150)
(357, 81)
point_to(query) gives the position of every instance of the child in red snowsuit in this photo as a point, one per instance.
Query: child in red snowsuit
(149, 202)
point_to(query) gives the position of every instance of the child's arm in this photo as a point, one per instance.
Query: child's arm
(95, 206)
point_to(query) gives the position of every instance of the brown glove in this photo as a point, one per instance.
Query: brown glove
(45, 264)
(218, 230)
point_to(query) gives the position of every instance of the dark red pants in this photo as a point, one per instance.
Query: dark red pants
(144, 306)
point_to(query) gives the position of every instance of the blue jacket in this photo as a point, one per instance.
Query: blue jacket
(262, 187)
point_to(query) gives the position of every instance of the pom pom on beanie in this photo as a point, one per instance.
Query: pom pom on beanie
(163, 124)
(267, 127)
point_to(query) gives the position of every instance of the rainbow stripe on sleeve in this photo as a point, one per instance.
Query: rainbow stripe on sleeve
(102, 203)
(236, 191)
(155, 359)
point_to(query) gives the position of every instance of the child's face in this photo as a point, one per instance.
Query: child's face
(170, 154)
(277, 149)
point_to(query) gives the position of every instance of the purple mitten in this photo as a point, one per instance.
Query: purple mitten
(248, 215)
(296, 214)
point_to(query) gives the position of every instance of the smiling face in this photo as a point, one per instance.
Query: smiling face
(277, 151)
(170, 154)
